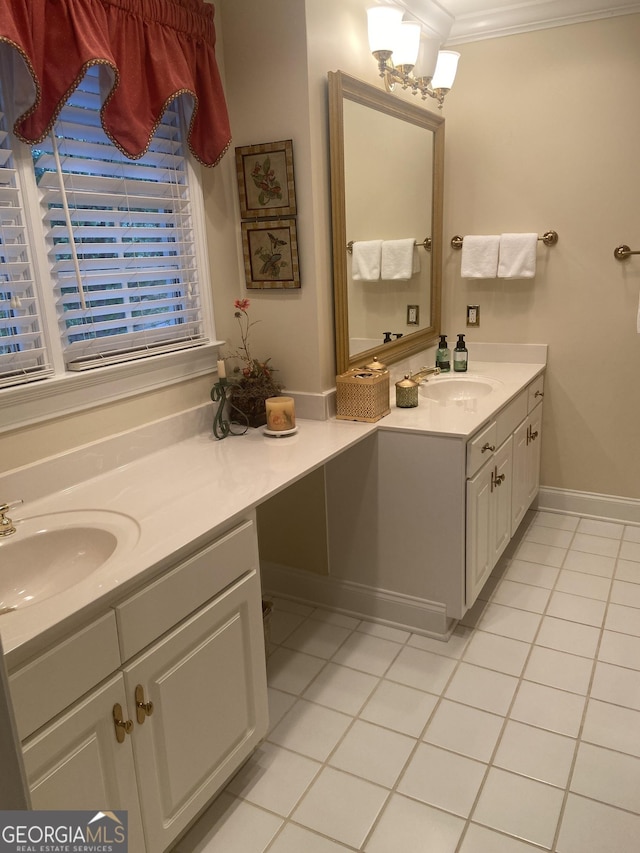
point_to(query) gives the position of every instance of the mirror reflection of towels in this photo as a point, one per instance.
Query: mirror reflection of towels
(399, 260)
(365, 260)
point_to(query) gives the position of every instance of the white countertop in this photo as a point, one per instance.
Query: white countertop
(194, 488)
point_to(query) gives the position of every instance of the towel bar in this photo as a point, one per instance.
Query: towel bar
(621, 253)
(426, 245)
(549, 238)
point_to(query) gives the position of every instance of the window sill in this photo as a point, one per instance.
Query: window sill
(58, 396)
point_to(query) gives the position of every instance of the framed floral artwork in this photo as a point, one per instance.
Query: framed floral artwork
(270, 249)
(265, 180)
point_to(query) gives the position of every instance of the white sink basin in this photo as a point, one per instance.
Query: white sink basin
(458, 390)
(51, 553)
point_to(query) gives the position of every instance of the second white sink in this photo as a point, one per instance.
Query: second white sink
(458, 389)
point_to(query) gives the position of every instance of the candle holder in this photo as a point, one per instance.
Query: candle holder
(222, 427)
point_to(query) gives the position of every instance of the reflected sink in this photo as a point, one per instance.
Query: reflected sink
(51, 553)
(458, 390)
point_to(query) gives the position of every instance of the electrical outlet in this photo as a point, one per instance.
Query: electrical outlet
(473, 315)
(413, 315)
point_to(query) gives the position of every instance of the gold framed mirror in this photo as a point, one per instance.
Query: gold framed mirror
(387, 175)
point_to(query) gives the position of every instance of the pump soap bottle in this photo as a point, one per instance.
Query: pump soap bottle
(460, 356)
(443, 355)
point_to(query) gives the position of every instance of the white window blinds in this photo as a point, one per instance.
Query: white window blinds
(119, 238)
(23, 353)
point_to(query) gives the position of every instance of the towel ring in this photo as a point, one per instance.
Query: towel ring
(549, 238)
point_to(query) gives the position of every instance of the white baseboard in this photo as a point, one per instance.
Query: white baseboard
(609, 507)
(420, 616)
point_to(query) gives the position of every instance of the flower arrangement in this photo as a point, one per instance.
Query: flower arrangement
(256, 381)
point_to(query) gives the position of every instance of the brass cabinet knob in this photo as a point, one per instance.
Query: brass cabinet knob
(539, 394)
(122, 727)
(486, 447)
(143, 709)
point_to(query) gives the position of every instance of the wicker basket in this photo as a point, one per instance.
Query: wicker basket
(362, 395)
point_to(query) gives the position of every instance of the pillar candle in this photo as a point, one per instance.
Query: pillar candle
(222, 371)
(281, 413)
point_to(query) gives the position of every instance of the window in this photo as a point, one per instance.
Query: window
(120, 243)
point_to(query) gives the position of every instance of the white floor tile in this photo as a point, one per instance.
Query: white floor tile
(292, 671)
(373, 753)
(632, 533)
(559, 669)
(568, 636)
(231, 825)
(368, 654)
(624, 619)
(442, 779)
(407, 825)
(297, 839)
(289, 606)
(310, 729)
(620, 649)
(617, 685)
(274, 778)
(630, 550)
(334, 618)
(558, 520)
(590, 827)
(601, 528)
(453, 647)
(341, 806)
(588, 611)
(537, 753)
(321, 639)
(522, 596)
(625, 593)
(279, 704)
(628, 570)
(463, 729)
(589, 586)
(384, 632)
(542, 535)
(341, 688)
(509, 622)
(591, 564)
(548, 555)
(422, 670)
(601, 545)
(611, 726)
(479, 839)
(482, 688)
(282, 624)
(400, 708)
(519, 806)
(608, 776)
(548, 708)
(496, 652)
(534, 574)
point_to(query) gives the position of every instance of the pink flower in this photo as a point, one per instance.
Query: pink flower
(241, 304)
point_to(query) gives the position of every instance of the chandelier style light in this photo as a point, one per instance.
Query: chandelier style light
(406, 57)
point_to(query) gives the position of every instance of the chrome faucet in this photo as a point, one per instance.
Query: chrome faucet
(424, 372)
(7, 526)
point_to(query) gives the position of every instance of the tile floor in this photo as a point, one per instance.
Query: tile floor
(521, 733)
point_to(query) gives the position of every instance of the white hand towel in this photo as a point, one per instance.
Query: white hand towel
(480, 256)
(399, 260)
(365, 263)
(517, 255)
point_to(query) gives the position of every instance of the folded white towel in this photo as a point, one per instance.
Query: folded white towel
(399, 260)
(480, 256)
(517, 255)
(365, 263)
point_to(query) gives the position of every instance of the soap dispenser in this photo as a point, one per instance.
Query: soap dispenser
(460, 356)
(443, 355)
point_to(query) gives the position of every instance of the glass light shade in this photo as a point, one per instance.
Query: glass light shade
(405, 50)
(427, 56)
(383, 22)
(446, 68)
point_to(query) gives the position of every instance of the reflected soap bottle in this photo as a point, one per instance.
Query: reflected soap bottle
(443, 355)
(460, 356)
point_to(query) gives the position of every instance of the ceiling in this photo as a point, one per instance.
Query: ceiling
(472, 20)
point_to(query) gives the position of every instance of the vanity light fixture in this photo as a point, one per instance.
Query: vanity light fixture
(400, 49)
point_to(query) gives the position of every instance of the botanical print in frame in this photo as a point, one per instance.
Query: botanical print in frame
(270, 250)
(265, 180)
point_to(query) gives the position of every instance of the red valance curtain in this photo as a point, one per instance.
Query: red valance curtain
(148, 51)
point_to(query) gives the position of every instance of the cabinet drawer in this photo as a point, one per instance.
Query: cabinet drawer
(480, 448)
(68, 670)
(510, 417)
(159, 606)
(535, 392)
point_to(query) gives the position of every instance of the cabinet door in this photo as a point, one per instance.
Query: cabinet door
(480, 548)
(77, 762)
(527, 440)
(207, 682)
(535, 442)
(503, 467)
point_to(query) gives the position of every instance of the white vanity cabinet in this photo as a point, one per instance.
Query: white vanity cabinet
(181, 665)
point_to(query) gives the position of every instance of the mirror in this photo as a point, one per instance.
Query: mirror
(387, 164)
